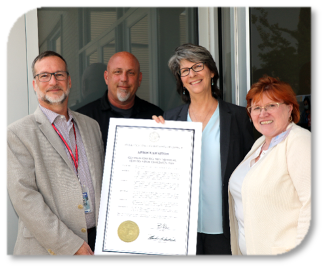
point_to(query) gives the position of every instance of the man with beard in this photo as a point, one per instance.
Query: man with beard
(55, 166)
(123, 77)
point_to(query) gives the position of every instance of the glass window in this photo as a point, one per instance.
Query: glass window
(225, 67)
(139, 48)
(88, 37)
(281, 47)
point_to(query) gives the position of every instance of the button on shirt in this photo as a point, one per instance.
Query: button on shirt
(66, 129)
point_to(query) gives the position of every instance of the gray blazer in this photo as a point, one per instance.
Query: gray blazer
(236, 139)
(43, 187)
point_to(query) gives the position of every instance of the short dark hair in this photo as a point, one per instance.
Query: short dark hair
(47, 54)
(195, 54)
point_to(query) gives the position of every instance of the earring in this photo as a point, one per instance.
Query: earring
(184, 91)
(212, 82)
(290, 119)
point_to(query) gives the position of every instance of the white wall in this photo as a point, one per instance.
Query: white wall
(21, 99)
(208, 37)
(208, 30)
(240, 53)
(17, 102)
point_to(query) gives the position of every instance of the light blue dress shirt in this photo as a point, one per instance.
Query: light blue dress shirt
(210, 190)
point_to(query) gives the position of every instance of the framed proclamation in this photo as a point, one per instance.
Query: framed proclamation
(149, 198)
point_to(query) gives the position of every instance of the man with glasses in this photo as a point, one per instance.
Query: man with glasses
(55, 166)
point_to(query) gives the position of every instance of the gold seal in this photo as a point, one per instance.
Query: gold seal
(128, 231)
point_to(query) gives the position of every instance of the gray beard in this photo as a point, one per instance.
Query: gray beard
(52, 101)
(57, 101)
(123, 98)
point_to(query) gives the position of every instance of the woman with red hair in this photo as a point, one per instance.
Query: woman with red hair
(269, 192)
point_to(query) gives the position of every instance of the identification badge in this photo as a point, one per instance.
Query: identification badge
(86, 200)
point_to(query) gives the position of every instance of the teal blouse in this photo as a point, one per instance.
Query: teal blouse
(210, 190)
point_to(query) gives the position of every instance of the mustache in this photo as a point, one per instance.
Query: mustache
(54, 88)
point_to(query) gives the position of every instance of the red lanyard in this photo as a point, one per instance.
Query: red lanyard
(64, 141)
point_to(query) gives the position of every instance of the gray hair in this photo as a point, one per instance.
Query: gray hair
(195, 54)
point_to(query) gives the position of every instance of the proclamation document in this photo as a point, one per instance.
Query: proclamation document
(149, 198)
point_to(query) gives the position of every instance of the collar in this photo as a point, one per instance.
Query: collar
(52, 116)
(280, 137)
(275, 141)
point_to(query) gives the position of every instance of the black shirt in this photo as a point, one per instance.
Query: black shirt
(101, 110)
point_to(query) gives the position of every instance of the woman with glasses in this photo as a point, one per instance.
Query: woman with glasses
(227, 137)
(269, 192)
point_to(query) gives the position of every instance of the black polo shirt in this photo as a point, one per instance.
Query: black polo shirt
(101, 110)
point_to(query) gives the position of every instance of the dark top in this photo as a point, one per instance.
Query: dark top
(101, 110)
(236, 139)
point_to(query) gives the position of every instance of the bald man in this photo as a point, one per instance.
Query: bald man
(123, 77)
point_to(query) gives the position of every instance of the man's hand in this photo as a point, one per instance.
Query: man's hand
(84, 250)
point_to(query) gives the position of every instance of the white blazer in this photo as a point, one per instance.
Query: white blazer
(276, 197)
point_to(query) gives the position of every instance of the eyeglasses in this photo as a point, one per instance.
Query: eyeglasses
(256, 110)
(196, 67)
(46, 77)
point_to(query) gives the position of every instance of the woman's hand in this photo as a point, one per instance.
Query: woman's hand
(158, 119)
